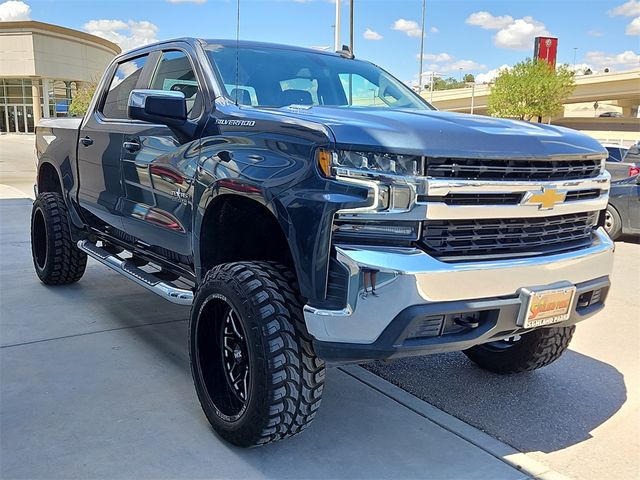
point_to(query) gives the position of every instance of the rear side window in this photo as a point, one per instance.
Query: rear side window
(175, 73)
(614, 154)
(123, 81)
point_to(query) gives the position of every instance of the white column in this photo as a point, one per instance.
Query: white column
(45, 98)
(35, 101)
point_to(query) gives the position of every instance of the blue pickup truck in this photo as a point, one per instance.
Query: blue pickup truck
(313, 210)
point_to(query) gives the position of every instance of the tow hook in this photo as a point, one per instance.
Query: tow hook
(467, 322)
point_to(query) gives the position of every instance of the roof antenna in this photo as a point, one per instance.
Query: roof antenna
(237, 50)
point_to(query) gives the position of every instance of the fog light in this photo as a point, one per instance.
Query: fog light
(370, 229)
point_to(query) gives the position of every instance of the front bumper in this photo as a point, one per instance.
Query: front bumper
(411, 285)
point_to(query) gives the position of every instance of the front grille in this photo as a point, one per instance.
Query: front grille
(502, 198)
(480, 169)
(456, 240)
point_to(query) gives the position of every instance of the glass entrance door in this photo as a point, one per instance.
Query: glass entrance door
(13, 123)
(3, 119)
(16, 119)
(20, 117)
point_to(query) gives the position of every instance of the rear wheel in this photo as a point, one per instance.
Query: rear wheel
(522, 353)
(255, 372)
(57, 260)
(612, 222)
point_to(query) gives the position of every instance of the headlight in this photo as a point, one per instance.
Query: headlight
(332, 162)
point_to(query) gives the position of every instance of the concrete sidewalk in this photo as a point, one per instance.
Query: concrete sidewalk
(95, 383)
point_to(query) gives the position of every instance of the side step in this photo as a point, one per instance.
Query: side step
(128, 269)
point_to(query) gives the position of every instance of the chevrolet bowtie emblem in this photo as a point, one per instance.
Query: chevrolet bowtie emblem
(546, 199)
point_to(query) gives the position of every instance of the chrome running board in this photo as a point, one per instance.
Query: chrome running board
(128, 269)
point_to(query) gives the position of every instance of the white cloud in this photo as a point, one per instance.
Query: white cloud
(372, 35)
(445, 63)
(628, 9)
(13, 11)
(634, 27)
(187, 1)
(491, 75)
(614, 61)
(464, 65)
(127, 35)
(409, 27)
(436, 57)
(489, 22)
(515, 34)
(434, 30)
(520, 34)
(594, 33)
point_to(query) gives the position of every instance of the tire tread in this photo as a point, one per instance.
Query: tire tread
(295, 375)
(67, 263)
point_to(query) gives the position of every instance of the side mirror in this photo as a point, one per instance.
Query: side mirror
(158, 106)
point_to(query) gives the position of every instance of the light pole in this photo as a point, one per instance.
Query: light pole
(431, 86)
(460, 68)
(473, 94)
(575, 50)
(351, 26)
(421, 46)
(336, 37)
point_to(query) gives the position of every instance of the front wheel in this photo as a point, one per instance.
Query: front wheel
(522, 353)
(255, 372)
(612, 223)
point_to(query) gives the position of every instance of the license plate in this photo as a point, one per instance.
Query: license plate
(545, 307)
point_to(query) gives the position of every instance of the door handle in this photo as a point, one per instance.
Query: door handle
(86, 141)
(131, 146)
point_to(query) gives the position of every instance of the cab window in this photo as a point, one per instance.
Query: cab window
(123, 81)
(175, 73)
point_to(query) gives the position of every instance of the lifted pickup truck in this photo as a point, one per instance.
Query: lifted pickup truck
(311, 208)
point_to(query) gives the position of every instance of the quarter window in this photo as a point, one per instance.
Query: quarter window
(175, 73)
(123, 81)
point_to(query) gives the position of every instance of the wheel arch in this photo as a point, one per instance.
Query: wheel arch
(49, 178)
(235, 228)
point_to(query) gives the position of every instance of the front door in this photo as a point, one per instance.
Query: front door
(158, 171)
(100, 145)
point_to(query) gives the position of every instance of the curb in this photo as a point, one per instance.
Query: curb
(492, 446)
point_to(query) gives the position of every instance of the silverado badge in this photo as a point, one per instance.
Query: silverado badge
(546, 200)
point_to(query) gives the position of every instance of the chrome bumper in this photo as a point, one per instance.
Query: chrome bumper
(406, 277)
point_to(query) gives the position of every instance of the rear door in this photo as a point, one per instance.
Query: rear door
(158, 170)
(100, 145)
(615, 166)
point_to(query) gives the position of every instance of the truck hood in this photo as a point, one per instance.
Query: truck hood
(444, 134)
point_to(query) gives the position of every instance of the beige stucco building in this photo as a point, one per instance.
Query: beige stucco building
(41, 68)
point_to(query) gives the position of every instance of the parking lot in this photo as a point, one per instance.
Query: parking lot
(95, 384)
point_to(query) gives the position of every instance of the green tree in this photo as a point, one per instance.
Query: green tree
(446, 83)
(530, 89)
(80, 103)
(469, 78)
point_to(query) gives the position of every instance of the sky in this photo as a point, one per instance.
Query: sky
(461, 36)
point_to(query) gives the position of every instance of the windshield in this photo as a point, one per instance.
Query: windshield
(274, 77)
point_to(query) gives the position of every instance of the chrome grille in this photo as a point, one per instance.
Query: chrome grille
(503, 198)
(455, 240)
(481, 169)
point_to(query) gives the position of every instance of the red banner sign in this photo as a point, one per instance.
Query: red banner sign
(546, 48)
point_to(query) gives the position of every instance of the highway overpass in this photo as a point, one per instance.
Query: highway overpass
(622, 88)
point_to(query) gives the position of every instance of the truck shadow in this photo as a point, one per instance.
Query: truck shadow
(546, 410)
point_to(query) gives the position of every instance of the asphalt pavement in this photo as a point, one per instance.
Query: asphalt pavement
(579, 415)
